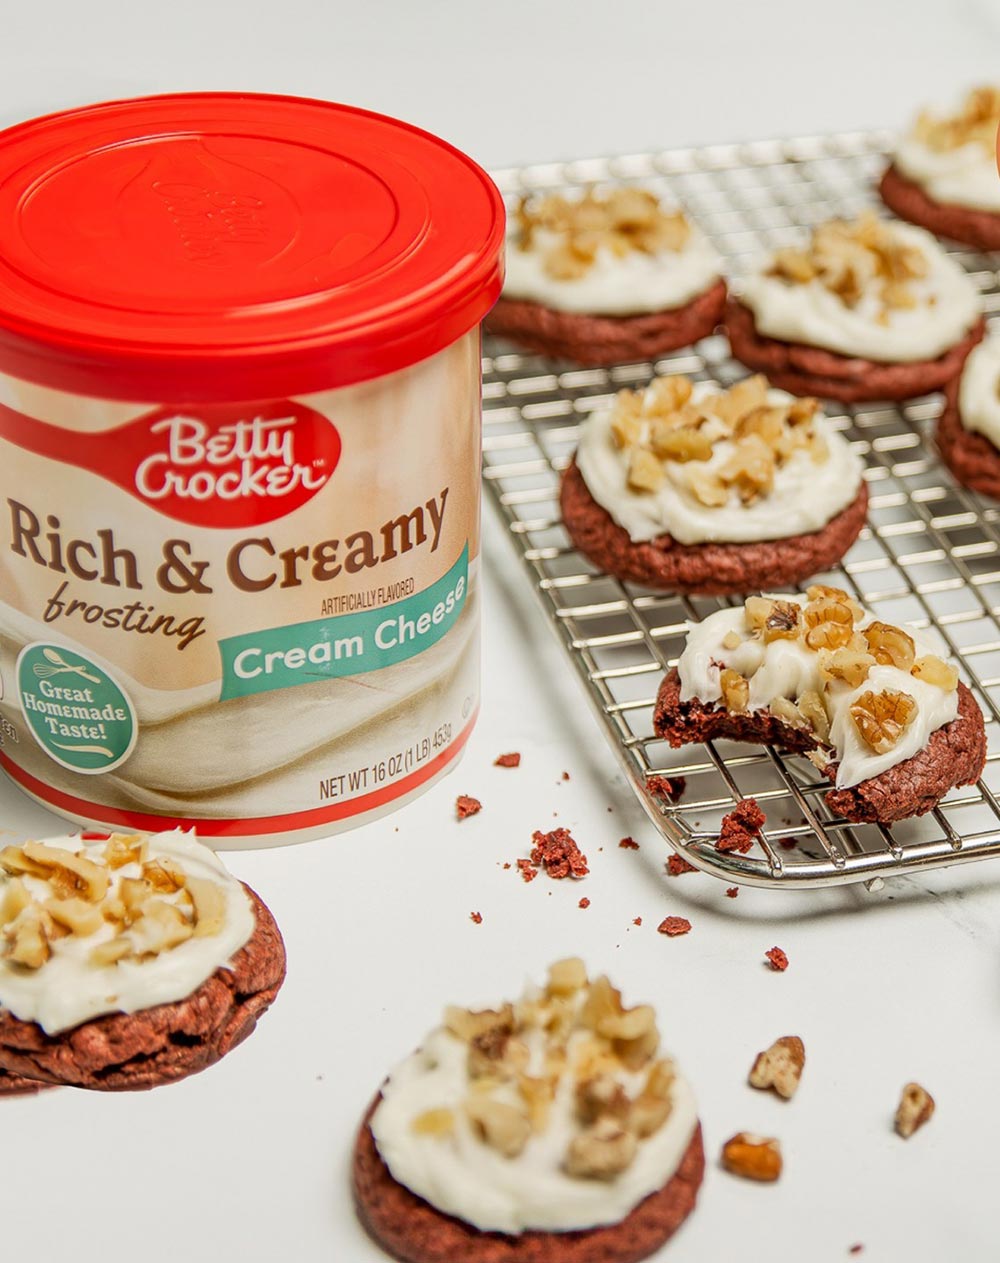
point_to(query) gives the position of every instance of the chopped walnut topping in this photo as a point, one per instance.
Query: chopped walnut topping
(504, 1127)
(974, 124)
(602, 1151)
(783, 621)
(601, 1097)
(434, 1122)
(932, 670)
(663, 425)
(780, 1066)
(566, 977)
(813, 711)
(890, 645)
(752, 1157)
(853, 258)
(845, 664)
(468, 1023)
(620, 221)
(735, 690)
(881, 718)
(916, 1105)
(86, 893)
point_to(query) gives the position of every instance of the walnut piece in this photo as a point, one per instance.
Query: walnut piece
(916, 1106)
(735, 690)
(780, 1066)
(434, 1122)
(881, 718)
(503, 1127)
(975, 123)
(645, 473)
(601, 1097)
(602, 1151)
(890, 646)
(752, 1157)
(932, 670)
(467, 1023)
(652, 1107)
(845, 664)
(568, 976)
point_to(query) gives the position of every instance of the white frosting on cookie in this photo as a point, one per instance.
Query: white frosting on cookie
(631, 284)
(805, 496)
(966, 176)
(979, 390)
(947, 305)
(786, 668)
(459, 1174)
(68, 989)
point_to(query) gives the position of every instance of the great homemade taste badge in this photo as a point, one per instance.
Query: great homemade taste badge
(77, 713)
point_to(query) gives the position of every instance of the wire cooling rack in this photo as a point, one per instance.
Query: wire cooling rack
(929, 555)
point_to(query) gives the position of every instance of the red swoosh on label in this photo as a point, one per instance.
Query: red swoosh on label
(216, 465)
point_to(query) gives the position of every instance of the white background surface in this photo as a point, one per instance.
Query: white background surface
(250, 1160)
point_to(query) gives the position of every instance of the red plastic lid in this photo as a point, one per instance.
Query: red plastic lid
(218, 246)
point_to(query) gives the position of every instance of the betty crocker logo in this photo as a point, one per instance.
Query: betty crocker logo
(218, 465)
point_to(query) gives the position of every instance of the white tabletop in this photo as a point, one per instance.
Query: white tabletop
(250, 1160)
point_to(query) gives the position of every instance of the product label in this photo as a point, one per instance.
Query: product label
(259, 616)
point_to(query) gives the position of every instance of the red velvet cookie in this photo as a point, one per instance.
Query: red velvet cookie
(711, 568)
(812, 370)
(954, 755)
(973, 227)
(18, 1085)
(156, 1046)
(410, 1229)
(602, 340)
(970, 456)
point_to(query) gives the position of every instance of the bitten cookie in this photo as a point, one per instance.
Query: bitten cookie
(943, 174)
(607, 277)
(878, 713)
(692, 488)
(868, 310)
(968, 431)
(550, 1130)
(128, 962)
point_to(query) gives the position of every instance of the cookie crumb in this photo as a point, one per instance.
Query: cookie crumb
(677, 865)
(741, 827)
(669, 788)
(777, 959)
(527, 870)
(507, 760)
(584, 902)
(637, 920)
(558, 854)
(674, 926)
(856, 1248)
(565, 776)
(629, 844)
(476, 918)
(506, 864)
(788, 844)
(732, 892)
(466, 806)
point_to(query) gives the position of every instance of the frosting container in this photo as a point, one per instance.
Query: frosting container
(239, 461)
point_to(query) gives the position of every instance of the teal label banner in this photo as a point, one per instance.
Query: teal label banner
(350, 644)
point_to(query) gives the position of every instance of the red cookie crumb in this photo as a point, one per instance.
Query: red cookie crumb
(856, 1248)
(476, 918)
(677, 864)
(527, 870)
(673, 926)
(788, 844)
(584, 902)
(732, 892)
(777, 959)
(565, 776)
(507, 760)
(741, 828)
(558, 854)
(637, 920)
(629, 844)
(507, 864)
(669, 788)
(466, 806)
